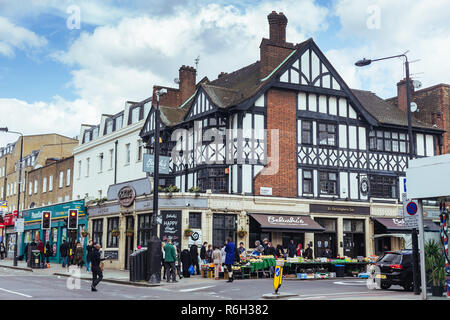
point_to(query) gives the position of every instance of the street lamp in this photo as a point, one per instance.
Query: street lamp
(154, 245)
(365, 62)
(5, 129)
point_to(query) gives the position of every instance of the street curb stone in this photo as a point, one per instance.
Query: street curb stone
(18, 268)
(137, 284)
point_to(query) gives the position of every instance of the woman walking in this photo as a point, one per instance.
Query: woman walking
(79, 255)
(217, 260)
(229, 258)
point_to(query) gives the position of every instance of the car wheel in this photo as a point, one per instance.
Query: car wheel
(385, 285)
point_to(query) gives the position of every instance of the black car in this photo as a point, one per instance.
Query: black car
(396, 268)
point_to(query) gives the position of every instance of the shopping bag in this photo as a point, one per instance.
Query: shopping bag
(191, 269)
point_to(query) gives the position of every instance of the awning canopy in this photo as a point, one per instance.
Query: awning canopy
(398, 225)
(291, 223)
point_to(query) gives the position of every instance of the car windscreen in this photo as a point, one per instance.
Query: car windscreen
(391, 258)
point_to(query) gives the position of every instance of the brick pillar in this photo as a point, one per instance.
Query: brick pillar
(281, 115)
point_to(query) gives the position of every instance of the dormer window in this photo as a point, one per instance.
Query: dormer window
(109, 126)
(119, 122)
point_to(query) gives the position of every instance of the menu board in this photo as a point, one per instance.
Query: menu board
(171, 227)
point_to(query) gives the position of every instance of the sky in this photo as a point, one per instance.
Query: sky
(64, 63)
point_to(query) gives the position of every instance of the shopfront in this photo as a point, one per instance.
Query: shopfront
(58, 228)
(10, 236)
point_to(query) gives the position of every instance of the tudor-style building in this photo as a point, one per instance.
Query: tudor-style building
(286, 135)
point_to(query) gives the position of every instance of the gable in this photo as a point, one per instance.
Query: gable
(309, 70)
(149, 125)
(202, 105)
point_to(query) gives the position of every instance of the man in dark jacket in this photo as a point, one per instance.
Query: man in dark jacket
(40, 247)
(230, 249)
(291, 249)
(186, 261)
(170, 256)
(308, 253)
(97, 274)
(194, 257)
(63, 248)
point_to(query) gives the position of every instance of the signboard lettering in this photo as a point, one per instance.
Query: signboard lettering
(321, 208)
(126, 196)
(171, 227)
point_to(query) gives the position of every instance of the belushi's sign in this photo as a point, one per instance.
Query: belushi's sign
(284, 220)
(126, 196)
(291, 222)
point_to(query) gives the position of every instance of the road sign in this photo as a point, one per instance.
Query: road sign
(149, 163)
(3, 204)
(277, 278)
(411, 212)
(19, 225)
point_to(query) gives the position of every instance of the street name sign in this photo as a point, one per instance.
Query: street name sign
(149, 163)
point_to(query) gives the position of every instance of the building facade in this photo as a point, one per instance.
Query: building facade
(110, 152)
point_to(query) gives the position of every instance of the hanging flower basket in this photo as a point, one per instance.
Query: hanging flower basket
(115, 233)
(242, 233)
(130, 233)
(188, 232)
(84, 234)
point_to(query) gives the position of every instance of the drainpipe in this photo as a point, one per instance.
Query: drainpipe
(115, 162)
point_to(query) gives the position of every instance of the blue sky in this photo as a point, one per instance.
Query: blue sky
(60, 78)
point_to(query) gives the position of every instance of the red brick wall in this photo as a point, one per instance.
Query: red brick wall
(281, 115)
(272, 55)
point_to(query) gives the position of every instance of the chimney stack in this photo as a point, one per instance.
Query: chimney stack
(401, 94)
(275, 49)
(277, 27)
(187, 82)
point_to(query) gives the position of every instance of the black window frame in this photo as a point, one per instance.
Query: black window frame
(328, 181)
(309, 180)
(195, 220)
(227, 230)
(113, 224)
(380, 139)
(328, 133)
(309, 131)
(144, 232)
(383, 186)
(97, 231)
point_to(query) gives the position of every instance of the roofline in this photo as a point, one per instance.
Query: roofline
(425, 89)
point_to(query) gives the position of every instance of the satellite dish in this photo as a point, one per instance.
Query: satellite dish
(413, 106)
(176, 80)
(417, 84)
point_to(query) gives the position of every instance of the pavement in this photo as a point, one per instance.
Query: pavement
(27, 283)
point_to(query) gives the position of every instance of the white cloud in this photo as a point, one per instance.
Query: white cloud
(422, 27)
(58, 116)
(15, 37)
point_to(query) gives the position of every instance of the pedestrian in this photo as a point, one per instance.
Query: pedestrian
(241, 248)
(194, 257)
(89, 249)
(299, 250)
(203, 250)
(2, 250)
(328, 253)
(209, 254)
(259, 249)
(48, 251)
(178, 263)
(217, 260)
(170, 256)
(265, 246)
(63, 251)
(41, 247)
(224, 254)
(229, 258)
(79, 255)
(163, 265)
(308, 253)
(97, 270)
(291, 249)
(25, 253)
(270, 249)
(279, 251)
(186, 262)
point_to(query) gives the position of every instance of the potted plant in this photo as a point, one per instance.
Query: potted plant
(188, 232)
(84, 233)
(129, 232)
(115, 232)
(172, 189)
(195, 190)
(242, 233)
(435, 267)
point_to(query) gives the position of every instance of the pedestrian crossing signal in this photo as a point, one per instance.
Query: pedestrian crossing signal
(73, 219)
(46, 216)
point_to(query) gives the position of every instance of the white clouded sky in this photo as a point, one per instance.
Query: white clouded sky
(122, 50)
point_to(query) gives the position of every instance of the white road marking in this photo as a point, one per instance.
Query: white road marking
(195, 289)
(18, 293)
(351, 283)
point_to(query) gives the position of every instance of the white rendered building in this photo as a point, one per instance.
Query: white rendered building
(110, 153)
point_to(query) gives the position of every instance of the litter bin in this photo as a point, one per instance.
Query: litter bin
(35, 259)
(340, 270)
(138, 265)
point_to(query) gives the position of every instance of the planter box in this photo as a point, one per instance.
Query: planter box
(437, 291)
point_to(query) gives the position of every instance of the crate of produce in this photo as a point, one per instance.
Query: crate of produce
(302, 276)
(310, 276)
(321, 276)
(332, 274)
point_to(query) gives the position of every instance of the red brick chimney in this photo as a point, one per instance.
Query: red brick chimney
(401, 94)
(275, 49)
(187, 82)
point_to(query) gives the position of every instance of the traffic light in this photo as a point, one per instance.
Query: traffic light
(73, 219)
(46, 216)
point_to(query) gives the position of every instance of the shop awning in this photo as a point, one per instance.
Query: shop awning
(291, 223)
(398, 225)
